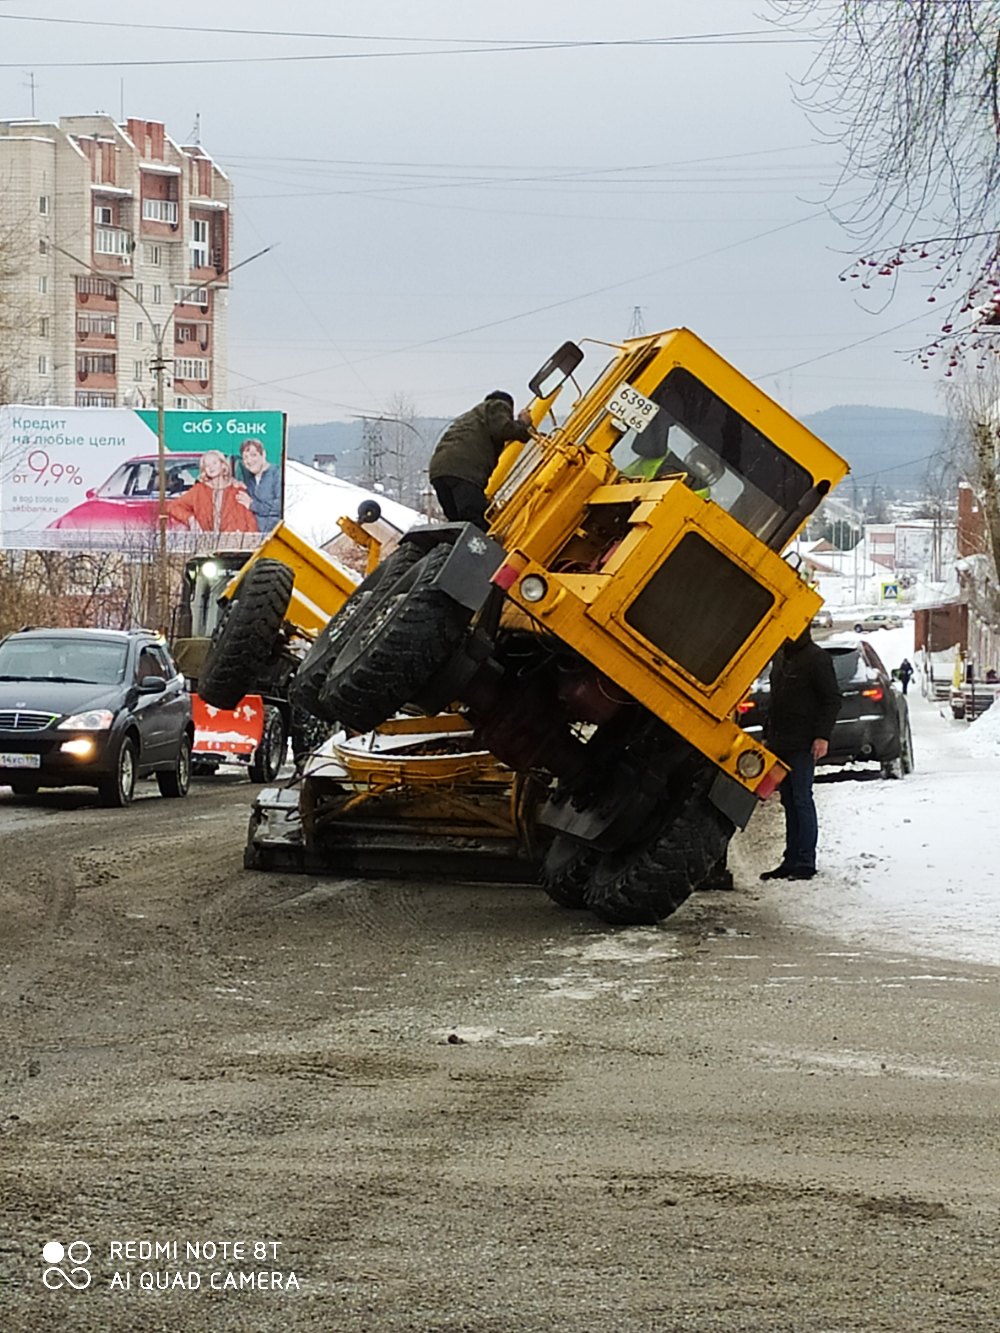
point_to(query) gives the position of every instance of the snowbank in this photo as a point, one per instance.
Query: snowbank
(314, 501)
(983, 735)
(907, 865)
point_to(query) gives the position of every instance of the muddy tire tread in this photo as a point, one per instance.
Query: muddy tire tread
(243, 645)
(407, 649)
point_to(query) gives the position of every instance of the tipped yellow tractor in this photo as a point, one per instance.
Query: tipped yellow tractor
(577, 667)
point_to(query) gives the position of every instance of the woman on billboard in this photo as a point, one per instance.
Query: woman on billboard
(213, 503)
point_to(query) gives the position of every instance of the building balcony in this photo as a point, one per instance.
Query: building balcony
(95, 294)
(113, 248)
(160, 218)
(93, 381)
(96, 339)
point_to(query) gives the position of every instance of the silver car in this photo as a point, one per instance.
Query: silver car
(877, 620)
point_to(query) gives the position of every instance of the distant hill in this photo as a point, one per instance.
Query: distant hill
(892, 442)
(344, 440)
(888, 446)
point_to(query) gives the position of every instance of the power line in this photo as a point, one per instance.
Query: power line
(493, 166)
(321, 57)
(742, 37)
(846, 347)
(552, 305)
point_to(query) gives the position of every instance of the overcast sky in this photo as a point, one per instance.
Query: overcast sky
(446, 210)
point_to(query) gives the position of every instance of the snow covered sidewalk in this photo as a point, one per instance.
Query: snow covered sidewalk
(907, 865)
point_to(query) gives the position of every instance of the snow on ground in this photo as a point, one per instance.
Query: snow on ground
(907, 865)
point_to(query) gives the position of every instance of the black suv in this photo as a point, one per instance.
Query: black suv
(874, 721)
(92, 708)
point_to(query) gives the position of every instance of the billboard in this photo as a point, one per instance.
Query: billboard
(89, 477)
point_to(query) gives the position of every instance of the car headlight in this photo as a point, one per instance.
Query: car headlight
(94, 719)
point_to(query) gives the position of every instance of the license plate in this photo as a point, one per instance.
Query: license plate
(20, 761)
(634, 410)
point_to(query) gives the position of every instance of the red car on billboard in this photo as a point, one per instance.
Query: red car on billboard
(130, 498)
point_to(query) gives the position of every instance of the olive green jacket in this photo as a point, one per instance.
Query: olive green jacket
(471, 446)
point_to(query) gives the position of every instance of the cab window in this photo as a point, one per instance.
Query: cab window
(697, 435)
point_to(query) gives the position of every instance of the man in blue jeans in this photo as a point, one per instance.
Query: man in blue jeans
(805, 701)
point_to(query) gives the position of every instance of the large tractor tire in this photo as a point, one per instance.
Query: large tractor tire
(566, 870)
(309, 679)
(307, 733)
(395, 648)
(244, 644)
(640, 886)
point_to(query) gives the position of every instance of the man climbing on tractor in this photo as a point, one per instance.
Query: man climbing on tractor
(467, 453)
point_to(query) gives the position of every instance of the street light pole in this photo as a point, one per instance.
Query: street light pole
(163, 567)
(158, 366)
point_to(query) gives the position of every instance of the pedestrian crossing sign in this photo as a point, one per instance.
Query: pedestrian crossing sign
(890, 592)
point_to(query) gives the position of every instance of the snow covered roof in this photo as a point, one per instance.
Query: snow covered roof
(314, 501)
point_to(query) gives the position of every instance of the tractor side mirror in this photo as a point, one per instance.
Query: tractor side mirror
(556, 371)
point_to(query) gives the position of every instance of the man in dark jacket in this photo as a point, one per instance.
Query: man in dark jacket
(805, 701)
(468, 452)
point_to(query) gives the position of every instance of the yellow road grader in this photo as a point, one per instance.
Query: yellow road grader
(555, 697)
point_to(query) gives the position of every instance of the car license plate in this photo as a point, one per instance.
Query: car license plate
(634, 410)
(20, 761)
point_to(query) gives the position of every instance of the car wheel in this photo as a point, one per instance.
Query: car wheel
(907, 755)
(177, 780)
(858, 629)
(270, 753)
(117, 788)
(24, 786)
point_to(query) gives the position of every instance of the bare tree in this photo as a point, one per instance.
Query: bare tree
(408, 449)
(911, 92)
(18, 311)
(974, 447)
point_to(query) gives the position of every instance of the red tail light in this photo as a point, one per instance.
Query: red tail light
(745, 706)
(876, 693)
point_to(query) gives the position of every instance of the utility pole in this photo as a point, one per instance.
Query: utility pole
(638, 326)
(373, 449)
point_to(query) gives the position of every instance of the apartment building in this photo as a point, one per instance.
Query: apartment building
(123, 241)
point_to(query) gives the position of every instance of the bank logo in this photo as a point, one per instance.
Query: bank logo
(65, 1265)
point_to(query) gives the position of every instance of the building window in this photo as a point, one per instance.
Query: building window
(43, 204)
(104, 215)
(112, 241)
(84, 399)
(43, 246)
(157, 293)
(138, 330)
(138, 291)
(43, 365)
(104, 325)
(43, 285)
(159, 210)
(183, 403)
(196, 296)
(199, 243)
(154, 254)
(157, 330)
(95, 363)
(191, 368)
(43, 327)
(137, 370)
(92, 286)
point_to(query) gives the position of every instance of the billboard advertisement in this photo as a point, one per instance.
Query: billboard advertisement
(89, 477)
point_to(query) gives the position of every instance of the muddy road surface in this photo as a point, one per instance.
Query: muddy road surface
(435, 1107)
